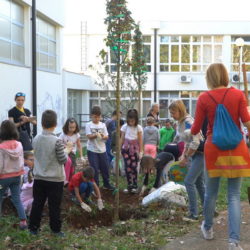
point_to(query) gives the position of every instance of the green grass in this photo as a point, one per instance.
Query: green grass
(161, 226)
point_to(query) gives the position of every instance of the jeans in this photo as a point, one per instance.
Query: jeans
(108, 150)
(99, 161)
(86, 188)
(43, 190)
(13, 184)
(234, 209)
(194, 180)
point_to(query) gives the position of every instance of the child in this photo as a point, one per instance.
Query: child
(167, 134)
(11, 167)
(148, 164)
(132, 146)
(97, 134)
(48, 175)
(150, 137)
(28, 164)
(71, 136)
(82, 185)
(27, 187)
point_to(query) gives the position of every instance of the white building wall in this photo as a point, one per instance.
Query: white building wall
(15, 78)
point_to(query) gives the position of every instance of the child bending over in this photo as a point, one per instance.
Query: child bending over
(149, 164)
(82, 185)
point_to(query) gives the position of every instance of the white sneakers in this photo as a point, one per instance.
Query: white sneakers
(207, 234)
(234, 246)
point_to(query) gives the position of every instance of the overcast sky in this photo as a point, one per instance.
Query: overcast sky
(164, 10)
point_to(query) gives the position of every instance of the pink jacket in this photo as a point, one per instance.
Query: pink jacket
(11, 159)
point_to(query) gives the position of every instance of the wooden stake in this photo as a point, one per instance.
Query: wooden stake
(245, 82)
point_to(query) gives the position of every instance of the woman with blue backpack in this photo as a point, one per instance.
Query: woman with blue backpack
(226, 153)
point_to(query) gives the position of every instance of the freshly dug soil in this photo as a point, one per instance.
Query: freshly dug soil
(129, 208)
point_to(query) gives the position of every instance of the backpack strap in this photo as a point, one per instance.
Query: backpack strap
(222, 97)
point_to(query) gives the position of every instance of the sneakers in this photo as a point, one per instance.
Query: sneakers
(207, 234)
(134, 191)
(190, 218)
(125, 191)
(109, 187)
(23, 225)
(59, 234)
(234, 246)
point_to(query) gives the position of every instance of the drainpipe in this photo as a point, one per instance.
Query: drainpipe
(34, 68)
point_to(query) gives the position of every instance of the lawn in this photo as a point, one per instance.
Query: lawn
(148, 228)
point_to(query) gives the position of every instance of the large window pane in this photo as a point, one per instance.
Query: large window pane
(174, 53)
(5, 7)
(185, 53)
(175, 39)
(51, 32)
(196, 53)
(196, 39)
(52, 63)
(164, 39)
(235, 54)
(185, 68)
(52, 47)
(4, 28)
(164, 68)
(17, 53)
(113, 57)
(207, 54)
(43, 62)
(163, 108)
(145, 107)
(175, 68)
(43, 44)
(207, 39)
(218, 53)
(5, 50)
(218, 39)
(185, 39)
(17, 33)
(164, 50)
(146, 39)
(16, 12)
(246, 53)
(146, 52)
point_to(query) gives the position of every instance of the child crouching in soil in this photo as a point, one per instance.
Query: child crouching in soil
(82, 185)
(149, 164)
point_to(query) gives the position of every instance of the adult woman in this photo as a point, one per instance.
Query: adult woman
(221, 163)
(191, 157)
(11, 167)
(154, 112)
(22, 119)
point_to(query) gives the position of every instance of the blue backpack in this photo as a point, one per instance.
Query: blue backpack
(226, 134)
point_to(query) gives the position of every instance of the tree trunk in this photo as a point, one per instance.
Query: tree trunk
(118, 147)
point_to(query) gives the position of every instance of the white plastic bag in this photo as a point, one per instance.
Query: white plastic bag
(162, 192)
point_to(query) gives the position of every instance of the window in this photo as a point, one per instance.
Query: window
(189, 53)
(235, 53)
(11, 32)
(46, 46)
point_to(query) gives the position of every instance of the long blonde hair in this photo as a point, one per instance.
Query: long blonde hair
(178, 105)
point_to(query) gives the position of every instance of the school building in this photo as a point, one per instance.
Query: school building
(177, 54)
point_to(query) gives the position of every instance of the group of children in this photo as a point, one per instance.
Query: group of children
(51, 165)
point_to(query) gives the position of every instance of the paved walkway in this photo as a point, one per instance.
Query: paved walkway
(194, 240)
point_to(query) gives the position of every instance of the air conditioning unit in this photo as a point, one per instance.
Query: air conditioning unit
(186, 79)
(235, 78)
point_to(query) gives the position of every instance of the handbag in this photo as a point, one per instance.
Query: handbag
(25, 140)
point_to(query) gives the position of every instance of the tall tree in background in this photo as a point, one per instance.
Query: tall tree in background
(119, 26)
(139, 67)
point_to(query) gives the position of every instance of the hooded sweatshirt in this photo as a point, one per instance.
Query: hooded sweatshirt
(151, 135)
(11, 159)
